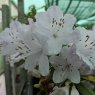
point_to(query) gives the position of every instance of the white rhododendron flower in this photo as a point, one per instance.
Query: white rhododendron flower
(66, 65)
(12, 38)
(58, 29)
(51, 47)
(26, 46)
(86, 46)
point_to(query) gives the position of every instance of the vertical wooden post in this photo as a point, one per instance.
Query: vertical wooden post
(21, 10)
(21, 19)
(57, 2)
(13, 75)
(5, 22)
(23, 72)
(5, 16)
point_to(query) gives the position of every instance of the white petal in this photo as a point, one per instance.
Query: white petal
(57, 91)
(57, 62)
(54, 46)
(74, 91)
(8, 35)
(19, 27)
(43, 20)
(71, 36)
(24, 31)
(92, 59)
(7, 48)
(74, 76)
(12, 58)
(87, 42)
(69, 20)
(43, 65)
(40, 29)
(94, 28)
(7, 45)
(75, 36)
(31, 22)
(25, 50)
(15, 25)
(85, 59)
(59, 76)
(75, 60)
(35, 73)
(31, 62)
(35, 46)
(66, 90)
(85, 47)
(54, 12)
(41, 38)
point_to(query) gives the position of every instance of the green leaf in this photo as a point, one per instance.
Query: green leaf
(89, 78)
(84, 90)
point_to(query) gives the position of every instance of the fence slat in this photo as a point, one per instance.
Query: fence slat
(23, 72)
(21, 10)
(5, 23)
(5, 16)
(20, 18)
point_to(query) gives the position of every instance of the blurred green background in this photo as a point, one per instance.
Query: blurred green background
(84, 10)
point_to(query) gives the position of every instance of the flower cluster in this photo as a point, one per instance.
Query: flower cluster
(52, 42)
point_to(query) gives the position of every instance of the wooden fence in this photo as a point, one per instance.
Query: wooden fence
(10, 71)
